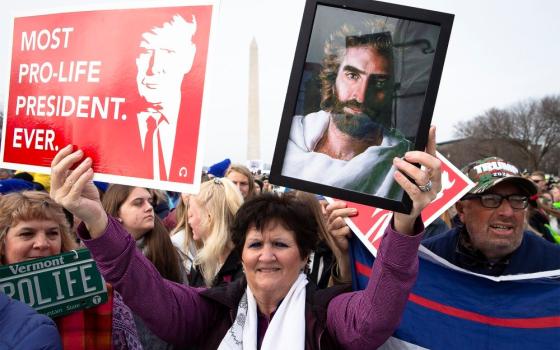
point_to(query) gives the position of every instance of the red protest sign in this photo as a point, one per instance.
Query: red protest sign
(124, 85)
(454, 185)
(370, 223)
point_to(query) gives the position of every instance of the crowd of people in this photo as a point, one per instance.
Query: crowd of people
(225, 267)
(233, 253)
(242, 264)
(544, 210)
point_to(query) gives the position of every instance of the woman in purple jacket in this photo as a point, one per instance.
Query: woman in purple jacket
(273, 307)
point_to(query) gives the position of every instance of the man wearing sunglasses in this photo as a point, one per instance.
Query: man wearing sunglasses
(492, 239)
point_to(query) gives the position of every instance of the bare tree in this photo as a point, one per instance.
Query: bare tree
(531, 127)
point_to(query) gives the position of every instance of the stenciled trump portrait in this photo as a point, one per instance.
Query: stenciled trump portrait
(166, 69)
(166, 55)
(360, 102)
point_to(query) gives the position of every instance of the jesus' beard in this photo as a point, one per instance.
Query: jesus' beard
(363, 126)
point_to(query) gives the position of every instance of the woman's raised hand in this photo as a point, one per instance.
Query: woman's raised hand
(75, 191)
(425, 184)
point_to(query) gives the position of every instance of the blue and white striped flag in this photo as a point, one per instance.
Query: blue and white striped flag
(449, 309)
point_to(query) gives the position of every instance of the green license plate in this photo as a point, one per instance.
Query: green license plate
(57, 285)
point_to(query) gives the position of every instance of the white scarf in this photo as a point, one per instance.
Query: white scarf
(285, 331)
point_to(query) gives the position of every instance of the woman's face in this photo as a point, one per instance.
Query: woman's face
(257, 188)
(271, 260)
(137, 212)
(33, 239)
(197, 220)
(241, 181)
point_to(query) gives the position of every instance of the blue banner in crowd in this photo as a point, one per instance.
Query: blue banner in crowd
(448, 309)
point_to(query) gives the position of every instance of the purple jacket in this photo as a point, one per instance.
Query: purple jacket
(180, 315)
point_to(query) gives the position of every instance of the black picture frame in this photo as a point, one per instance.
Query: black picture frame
(414, 44)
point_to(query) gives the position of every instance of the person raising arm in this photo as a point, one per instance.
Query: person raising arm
(274, 237)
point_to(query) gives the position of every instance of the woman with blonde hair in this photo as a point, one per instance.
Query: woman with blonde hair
(210, 215)
(33, 226)
(182, 237)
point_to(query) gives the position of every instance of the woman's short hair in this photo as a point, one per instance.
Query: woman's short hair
(287, 210)
(16, 207)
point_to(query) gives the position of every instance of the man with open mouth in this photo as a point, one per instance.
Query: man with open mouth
(492, 239)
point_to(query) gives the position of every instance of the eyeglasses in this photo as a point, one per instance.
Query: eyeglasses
(493, 200)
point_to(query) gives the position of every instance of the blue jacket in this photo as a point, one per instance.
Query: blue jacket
(21, 327)
(533, 255)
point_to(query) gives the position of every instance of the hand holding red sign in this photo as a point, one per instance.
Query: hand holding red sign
(75, 191)
(369, 223)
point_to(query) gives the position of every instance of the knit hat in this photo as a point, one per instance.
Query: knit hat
(219, 169)
(103, 186)
(15, 185)
(489, 172)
